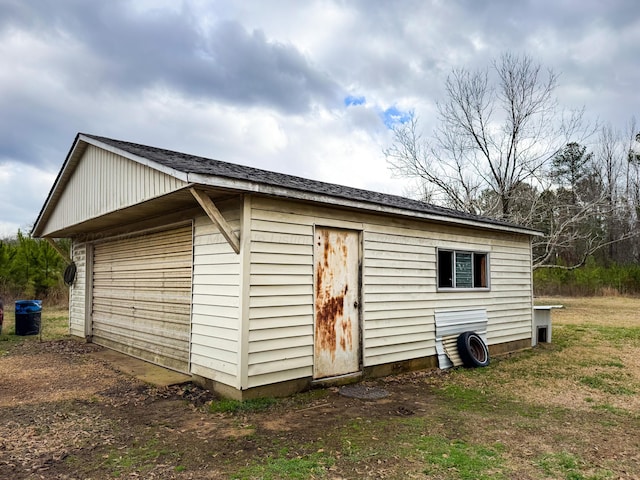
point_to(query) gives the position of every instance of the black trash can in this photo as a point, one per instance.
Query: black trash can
(28, 317)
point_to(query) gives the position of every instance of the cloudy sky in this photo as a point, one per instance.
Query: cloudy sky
(309, 88)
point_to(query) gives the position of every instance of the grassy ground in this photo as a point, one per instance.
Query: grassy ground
(567, 410)
(54, 324)
(604, 311)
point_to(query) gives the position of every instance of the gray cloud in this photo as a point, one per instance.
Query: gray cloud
(129, 52)
(263, 83)
(100, 51)
(33, 130)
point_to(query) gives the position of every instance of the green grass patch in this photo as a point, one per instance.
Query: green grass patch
(598, 362)
(608, 383)
(613, 363)
(137, 459)
(487, 397)
(619, 335)
(364, 441)
(360, 438)
(461, 460)
(237, 406)
(55, 324)
(565, 336)
(282, 466)
(606, 407)
(538, 368)
(464, 398)
(304, 398)
(481, 390)
(563, 465)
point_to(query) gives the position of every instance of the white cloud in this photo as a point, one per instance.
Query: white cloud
(263, 83)
(8, 229)
(23, 190)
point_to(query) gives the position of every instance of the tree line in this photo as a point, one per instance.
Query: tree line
(32, 269)
(505, 148)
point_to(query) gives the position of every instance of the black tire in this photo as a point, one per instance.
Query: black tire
(472, 350)
(70, 274)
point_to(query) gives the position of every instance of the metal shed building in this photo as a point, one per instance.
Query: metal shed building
(259, 283)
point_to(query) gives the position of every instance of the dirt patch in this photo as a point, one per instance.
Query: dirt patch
(34, 373)
(65, 414)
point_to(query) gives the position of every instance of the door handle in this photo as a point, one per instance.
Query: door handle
(356, 304)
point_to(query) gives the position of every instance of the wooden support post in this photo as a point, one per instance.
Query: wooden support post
(216, 217)
(61, 252)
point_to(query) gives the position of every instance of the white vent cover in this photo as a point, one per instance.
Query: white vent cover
(450, 324)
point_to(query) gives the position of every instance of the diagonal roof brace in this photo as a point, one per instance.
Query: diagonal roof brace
(62, 253)
(216, 217)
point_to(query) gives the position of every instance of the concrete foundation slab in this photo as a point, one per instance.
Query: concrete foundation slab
(145, 371)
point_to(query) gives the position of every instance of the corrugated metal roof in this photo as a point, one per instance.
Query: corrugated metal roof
(188, 164)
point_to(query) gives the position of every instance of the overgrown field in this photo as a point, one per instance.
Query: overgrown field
(54, 326)
(569, 410)
(591, 279)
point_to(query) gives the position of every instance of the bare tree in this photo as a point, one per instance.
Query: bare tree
(495, 131)
(498, 131)
(446, 180)
(610, 161)
(591, 209)
(632, 189)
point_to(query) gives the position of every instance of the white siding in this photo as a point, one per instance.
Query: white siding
(399, 279)
(399, 291)
(216, 294)
(281, 297)
(78, 290)
(104, 182)
(508, 302)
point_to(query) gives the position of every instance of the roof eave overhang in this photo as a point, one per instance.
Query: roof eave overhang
(249, 186)
(266, 189)
(68, 167)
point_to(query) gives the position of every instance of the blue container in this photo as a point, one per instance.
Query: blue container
(28, 317)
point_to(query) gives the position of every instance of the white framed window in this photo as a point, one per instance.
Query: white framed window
(463, 270)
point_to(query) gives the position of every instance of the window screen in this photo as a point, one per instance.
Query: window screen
(458, 269)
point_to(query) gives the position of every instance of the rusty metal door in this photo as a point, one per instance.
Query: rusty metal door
(337, 319)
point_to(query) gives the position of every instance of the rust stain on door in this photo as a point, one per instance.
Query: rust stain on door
(337, 347)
